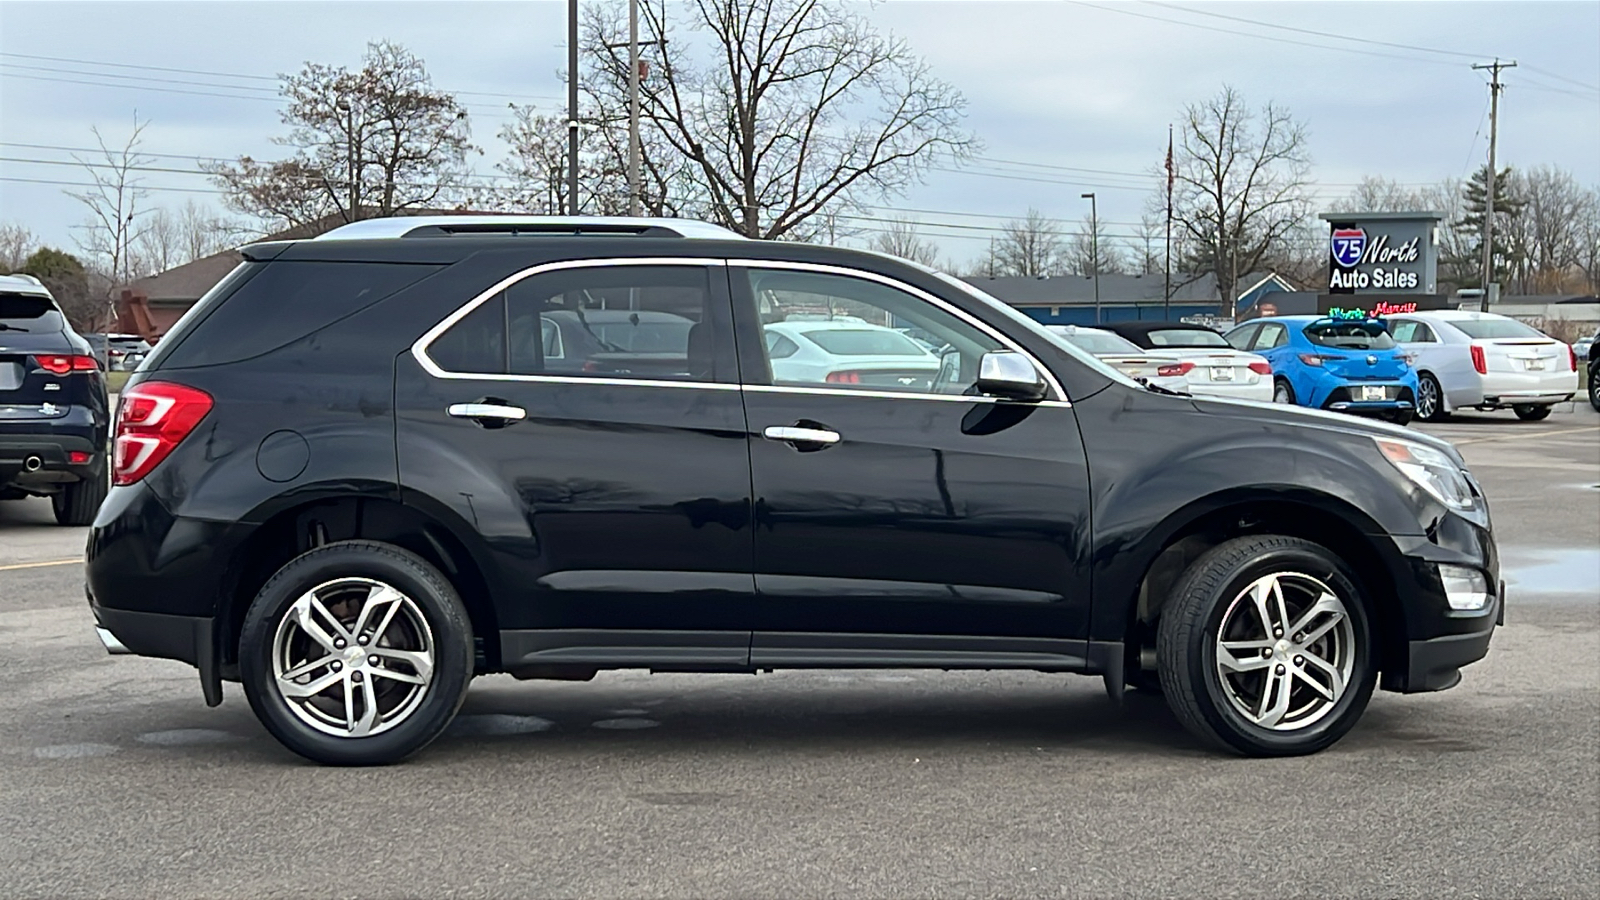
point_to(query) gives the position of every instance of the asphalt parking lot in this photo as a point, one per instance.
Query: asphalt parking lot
(117, 781)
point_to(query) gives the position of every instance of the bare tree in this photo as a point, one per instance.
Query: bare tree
(115, 204)
(1588, 261)
(899, 237)
(364, 144)
(1029, 246)
(785, 109)
(1091, 244)
(1240, 184)
(1545, 238)
(1145, 251)
(16, 243)
(173, 237)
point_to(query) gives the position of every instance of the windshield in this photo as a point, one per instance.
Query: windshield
(1495, 328)
(1096, 364)
(865, 342)
(1350, 335)
(1098, 342)
(1186, 337)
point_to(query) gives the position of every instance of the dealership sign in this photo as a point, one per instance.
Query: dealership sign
(1382, 252)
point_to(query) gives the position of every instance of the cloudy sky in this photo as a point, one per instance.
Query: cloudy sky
(1068, 97)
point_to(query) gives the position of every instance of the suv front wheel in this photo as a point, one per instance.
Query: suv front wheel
(1265, 648)
(356, 653)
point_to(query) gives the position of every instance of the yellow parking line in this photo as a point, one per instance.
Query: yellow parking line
(40, 565)
(1523, 436)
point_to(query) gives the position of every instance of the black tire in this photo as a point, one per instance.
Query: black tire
(1283, 391)
(77, 503)
(1594, 387)
(1531, 413)
(1430, 399)
(1402, 417)
(1186, 645)
(410, 575)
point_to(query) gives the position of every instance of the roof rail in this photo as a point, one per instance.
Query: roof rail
(444, 226)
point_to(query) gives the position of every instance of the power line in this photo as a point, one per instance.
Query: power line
(1312, 31)
(1127, 12)
(272, 78)
(1549, 74)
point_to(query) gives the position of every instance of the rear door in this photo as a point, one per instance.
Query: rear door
(614, 498)
(918, 521)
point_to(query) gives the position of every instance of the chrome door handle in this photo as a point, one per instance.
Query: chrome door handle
(487, 411)
(794, 434)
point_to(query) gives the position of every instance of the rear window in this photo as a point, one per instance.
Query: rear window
(1101, 342)
(1479, 329)
(1350, 335)
(1186, 337)
(865, 342)
(283, 302)
(25, 306)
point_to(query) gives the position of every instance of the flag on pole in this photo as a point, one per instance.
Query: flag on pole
(1171, 175)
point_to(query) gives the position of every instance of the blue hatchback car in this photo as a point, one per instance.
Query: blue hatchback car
(1349, 365)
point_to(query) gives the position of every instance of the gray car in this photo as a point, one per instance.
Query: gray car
(1484, 361)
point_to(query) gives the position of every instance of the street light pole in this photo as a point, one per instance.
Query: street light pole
(1094, 249)
(633, 107)
(572, 107)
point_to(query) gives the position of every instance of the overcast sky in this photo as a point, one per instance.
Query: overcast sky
(1075, 86)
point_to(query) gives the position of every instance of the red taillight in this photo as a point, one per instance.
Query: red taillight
(62, 364)
(1261, 368)
(153, 418)
(1173, 370)
(1572, 357)
(1312, 359)
(1479, 362)
(844, 378)
(77, 457)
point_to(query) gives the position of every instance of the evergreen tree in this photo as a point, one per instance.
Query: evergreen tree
(1468, 265)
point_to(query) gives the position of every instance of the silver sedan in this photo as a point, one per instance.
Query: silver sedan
(1484, 361)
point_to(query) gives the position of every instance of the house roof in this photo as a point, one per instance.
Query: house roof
(1072, 290)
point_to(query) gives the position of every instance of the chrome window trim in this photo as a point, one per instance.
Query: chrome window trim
(419, 348)
(827, 269)
(895, 395)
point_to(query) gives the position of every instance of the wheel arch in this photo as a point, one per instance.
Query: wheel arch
(1321, 518)
(291, 526)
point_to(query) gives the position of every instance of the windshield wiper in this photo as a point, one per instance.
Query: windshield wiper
(5, 327)
(1158, 389)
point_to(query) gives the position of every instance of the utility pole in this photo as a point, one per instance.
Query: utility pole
(633, 107)
(572, 107)
(1094, 249)
(1495, 87)
(1166, 254)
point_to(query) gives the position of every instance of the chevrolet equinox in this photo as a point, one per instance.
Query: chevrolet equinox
(367, 467)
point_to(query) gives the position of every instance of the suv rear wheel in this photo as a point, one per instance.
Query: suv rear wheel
(77, 503)
(1265, 649)
(356, 653)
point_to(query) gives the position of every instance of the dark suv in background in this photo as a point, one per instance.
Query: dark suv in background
(367, 467)
(53, 408)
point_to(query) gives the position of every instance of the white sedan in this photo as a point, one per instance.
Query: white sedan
(848, 351)
(1484, 361)
(1213, 367)
(1125, 356)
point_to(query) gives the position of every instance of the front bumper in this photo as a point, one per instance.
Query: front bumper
(1438, 639)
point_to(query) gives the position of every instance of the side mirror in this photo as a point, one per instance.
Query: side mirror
(1008, 374)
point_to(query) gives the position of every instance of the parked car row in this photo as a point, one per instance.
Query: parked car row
(118, 352)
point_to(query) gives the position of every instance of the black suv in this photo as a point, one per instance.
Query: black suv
(357, 474)
(53, 408)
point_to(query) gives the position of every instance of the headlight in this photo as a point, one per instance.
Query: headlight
(1430, 470)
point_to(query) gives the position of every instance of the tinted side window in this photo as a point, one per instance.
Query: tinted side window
(286, 301)
(848, 332)
(477, 343)
(649, 322)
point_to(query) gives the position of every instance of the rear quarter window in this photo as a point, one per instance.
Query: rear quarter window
(283, 302)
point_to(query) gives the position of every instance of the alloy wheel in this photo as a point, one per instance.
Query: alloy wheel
(1285, 651)
(352, 657)
(1427, 398)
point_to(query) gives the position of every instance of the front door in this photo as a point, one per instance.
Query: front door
(585, 421)
(897, 512)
